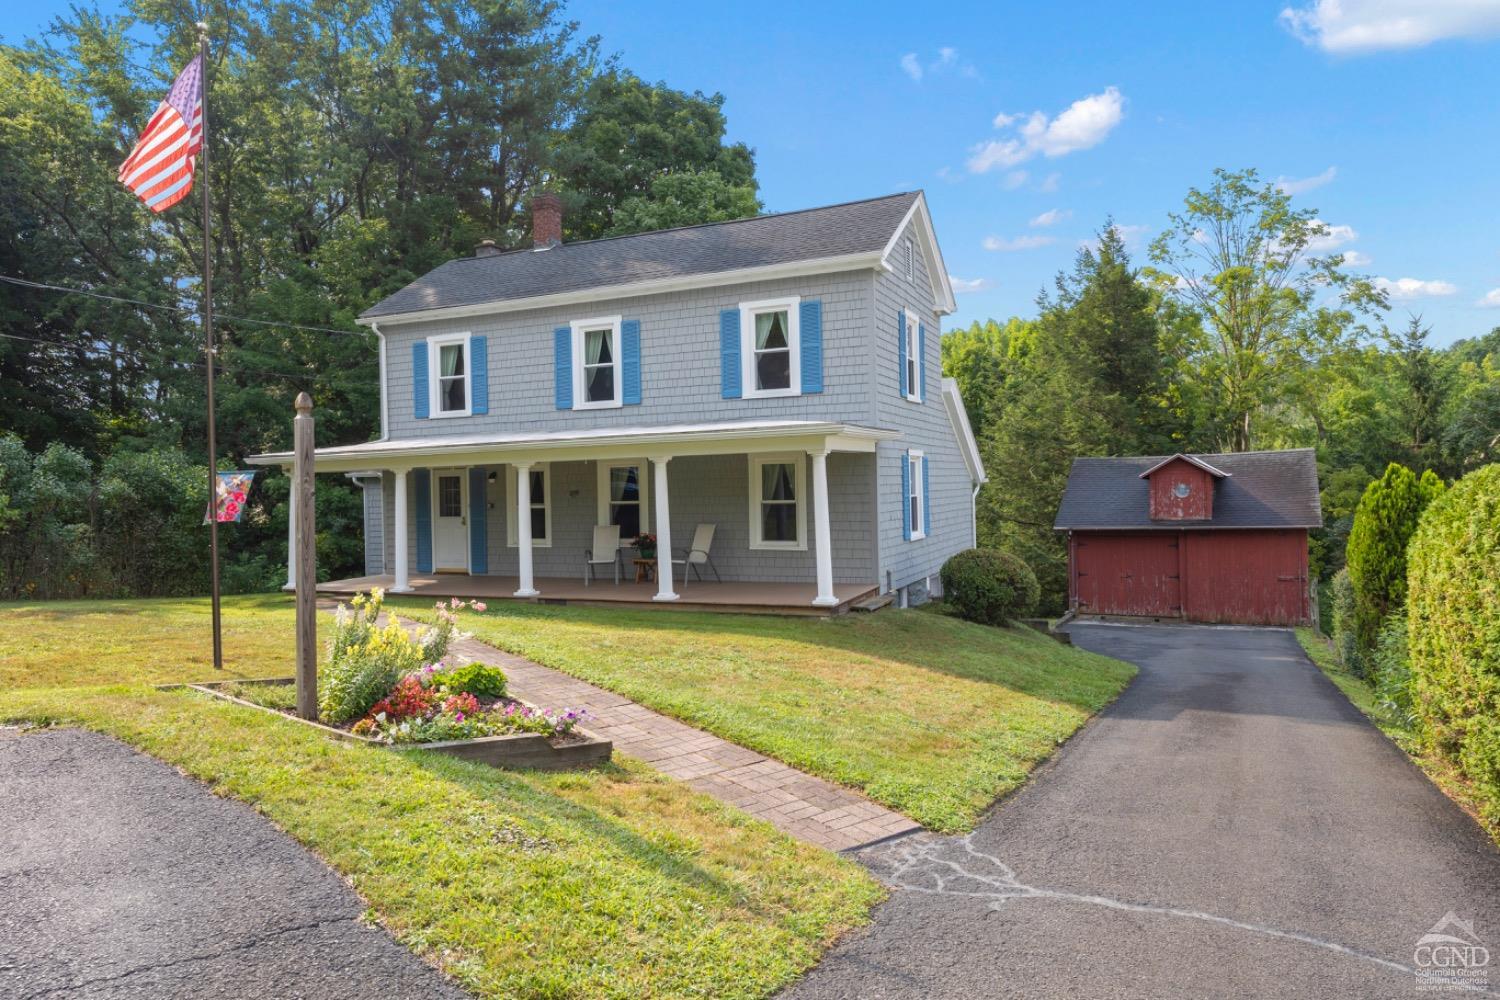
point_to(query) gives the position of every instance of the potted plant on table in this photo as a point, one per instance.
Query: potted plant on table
(645, 544)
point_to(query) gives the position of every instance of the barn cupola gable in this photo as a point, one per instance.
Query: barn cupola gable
(1182, 489)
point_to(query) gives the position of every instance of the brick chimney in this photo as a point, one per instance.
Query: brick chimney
(486, 248)
(546, 220)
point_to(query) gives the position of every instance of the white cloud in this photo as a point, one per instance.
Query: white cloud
(1353, 258)
(1348, 26)
(1084, 124)
(1015, 179)
(1050, 182)
(1302, 185)
(1414, 288)
(946, 61)
(1051, 217)
(961, 285)
(1004, 245)
(1491, 299)
(1332, 239)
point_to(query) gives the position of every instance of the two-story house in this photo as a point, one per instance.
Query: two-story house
(777, 378)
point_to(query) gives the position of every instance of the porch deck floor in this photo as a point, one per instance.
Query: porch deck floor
(779, 598)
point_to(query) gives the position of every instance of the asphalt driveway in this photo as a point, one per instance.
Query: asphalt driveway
(1231, 826)
(121, 878)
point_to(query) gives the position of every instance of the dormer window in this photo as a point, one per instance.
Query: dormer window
(450, 381)
(770, 347)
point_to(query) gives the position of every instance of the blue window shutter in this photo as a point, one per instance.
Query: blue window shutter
(479, 365)
(906, 495)
(479, 559)
(901, 346)
(562, 353)
(926, 501)
(729, 353)
(812, 345)
(630, 351)
(922, 362)
(420, 398)
(421, 485)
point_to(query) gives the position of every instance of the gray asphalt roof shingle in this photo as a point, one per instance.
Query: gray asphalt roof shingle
(811, 234)
(1264, 489)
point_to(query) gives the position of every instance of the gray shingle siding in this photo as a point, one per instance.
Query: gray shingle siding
(680, 376)
(924, 426)
(374, 525)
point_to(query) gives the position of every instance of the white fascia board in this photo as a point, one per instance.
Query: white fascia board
(599, 293)
(958, 417)
(672, 442)
(937, 271)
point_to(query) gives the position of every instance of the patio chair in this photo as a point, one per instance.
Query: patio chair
(697, 555)
(606, 549)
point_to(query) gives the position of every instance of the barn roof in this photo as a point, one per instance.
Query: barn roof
(1260, 489)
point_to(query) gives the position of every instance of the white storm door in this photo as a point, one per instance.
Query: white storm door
(450, 523)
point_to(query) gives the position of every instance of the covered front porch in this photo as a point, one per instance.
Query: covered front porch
(783, 514)
(709, 595)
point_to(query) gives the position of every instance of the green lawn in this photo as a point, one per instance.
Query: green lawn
(925, 713)
(613, 883)
(161, 641)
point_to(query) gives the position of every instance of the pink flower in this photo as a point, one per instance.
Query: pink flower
(480, 606)
(455, 603)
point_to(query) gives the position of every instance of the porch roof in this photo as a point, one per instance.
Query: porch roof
(671, 440)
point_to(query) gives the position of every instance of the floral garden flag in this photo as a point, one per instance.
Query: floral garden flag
(233, 487)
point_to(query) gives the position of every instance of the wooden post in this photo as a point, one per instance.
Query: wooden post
(307, 553)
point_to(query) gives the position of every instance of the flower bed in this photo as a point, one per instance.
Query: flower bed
(386, 686)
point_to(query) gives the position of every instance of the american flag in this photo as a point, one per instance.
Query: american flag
(160, 167)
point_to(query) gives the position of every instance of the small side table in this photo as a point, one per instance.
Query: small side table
(645, 570)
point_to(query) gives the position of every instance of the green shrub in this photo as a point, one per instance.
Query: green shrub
(478, 679)
(1390, 670)
(1453, 623)
(1341, 615)
(989, 586)
(1384, 521)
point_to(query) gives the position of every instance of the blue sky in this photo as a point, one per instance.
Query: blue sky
(1027, 124)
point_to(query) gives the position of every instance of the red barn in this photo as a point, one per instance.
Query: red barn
(1204, 538)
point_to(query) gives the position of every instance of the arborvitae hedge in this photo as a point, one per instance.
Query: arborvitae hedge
(1383, 524)
(1453, 625)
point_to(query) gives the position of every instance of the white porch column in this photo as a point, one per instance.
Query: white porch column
(523, 529)
(664, 591)
(291, 534)
(822, 532)
(403, 584)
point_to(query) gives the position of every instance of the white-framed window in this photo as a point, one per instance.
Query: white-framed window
(450, 383)
(596, 363)
(541, 505)
(913, 357)
(778, 511)
(916, 496)
(909, 253)
(771, 347)
(624, 496)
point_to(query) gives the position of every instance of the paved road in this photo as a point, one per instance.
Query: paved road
(121, 878)
(1230, 827)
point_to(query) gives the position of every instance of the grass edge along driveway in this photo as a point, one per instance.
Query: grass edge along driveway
(614, 883)
(927, 714)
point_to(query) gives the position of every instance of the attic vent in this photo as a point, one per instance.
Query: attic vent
(911, 260)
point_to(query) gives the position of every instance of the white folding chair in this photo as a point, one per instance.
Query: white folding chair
(697, 554)
(606, 549)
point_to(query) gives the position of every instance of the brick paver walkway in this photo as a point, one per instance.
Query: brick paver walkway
(806, 807)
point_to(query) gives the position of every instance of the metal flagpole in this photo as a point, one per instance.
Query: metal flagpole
(208, 340)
